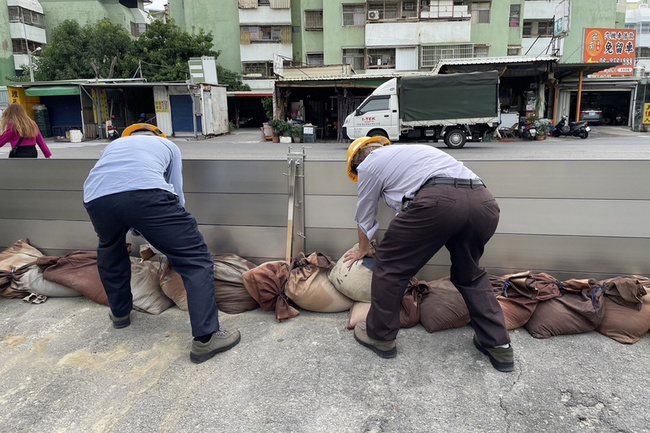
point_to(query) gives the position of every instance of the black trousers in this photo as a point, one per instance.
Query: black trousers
(25, 152)
(158, 216)
(462, 219)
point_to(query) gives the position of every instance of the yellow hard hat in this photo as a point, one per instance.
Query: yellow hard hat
(143, 127)
(356, 146)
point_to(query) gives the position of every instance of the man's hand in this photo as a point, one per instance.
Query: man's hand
(352, 257)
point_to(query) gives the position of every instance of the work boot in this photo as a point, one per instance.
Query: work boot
(501, 358)
(385, 349)
(120, 322)
(220, 341)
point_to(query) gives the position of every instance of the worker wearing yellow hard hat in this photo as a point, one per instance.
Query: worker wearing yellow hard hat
(440, 203)
(137, 127)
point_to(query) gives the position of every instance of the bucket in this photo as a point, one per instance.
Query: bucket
(268, 131)
(75, 136)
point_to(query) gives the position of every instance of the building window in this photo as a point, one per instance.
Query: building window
(137, 29)
(353, 57)
(260, 69)
(382, 10)
(383, 58)
(480, 12)
(430, 55)
(354, 15)
(534, 28)
(264, 2)
(481, 50)
(30, 18)
(642, 52)
(644, 27)
(515, 12)
(260, 34)
(19, 46)
(315, 59)
(514, 50)
(314, 20)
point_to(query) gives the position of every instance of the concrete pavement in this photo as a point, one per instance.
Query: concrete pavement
(65, 369)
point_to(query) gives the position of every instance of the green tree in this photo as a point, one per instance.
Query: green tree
(64, 57)
(100, 50)
(164, 50)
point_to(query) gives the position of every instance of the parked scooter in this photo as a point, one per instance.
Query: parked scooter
(527, 129)
(577, 129)
(112, 131)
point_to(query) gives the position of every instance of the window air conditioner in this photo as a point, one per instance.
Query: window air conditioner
(373, 15)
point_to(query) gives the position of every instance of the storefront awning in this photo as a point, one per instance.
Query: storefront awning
(52, 91)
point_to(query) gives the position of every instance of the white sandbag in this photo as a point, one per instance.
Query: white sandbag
(32, 281)
(353, 281)
(148, 296)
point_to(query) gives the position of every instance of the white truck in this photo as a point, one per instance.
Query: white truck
(452, 107)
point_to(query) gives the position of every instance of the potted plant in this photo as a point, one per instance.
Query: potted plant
(275, 125)
(542, 126)
(296, 133)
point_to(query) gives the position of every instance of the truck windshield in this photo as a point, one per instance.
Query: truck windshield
(375, 104)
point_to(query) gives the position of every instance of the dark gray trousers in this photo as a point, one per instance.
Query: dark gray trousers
(166, 225)
(462, 219)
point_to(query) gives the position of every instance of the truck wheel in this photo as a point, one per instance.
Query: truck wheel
(455, 139)
(377, 133)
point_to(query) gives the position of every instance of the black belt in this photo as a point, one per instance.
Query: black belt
(467, 183)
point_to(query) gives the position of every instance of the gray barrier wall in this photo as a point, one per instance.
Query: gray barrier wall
(570, 218)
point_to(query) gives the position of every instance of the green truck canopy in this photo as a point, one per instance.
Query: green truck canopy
(449, 96)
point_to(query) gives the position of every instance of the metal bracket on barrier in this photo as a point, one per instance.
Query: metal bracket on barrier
(296, 200)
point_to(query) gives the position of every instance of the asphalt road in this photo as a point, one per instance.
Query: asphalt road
(605, 142)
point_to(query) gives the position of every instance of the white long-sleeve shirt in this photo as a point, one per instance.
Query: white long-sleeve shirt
(135, 163)
(396, 171)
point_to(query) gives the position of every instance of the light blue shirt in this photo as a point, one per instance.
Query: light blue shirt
(134, 163)
(396, 171)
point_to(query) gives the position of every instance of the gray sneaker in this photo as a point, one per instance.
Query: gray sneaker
(120, 322)
(220, 341)
(385, 349)
(502, 359)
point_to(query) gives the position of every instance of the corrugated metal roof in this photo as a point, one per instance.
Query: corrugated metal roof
(493, 60)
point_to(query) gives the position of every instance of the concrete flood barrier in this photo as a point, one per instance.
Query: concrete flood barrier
(570, 218)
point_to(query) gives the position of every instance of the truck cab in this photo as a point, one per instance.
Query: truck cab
(377, 115)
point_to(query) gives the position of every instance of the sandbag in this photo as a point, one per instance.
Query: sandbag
(32, 281)
(358, 313)
(575, 312)
(19, 254)
(266, 284)
(76, 270)
(17, 257)
(409, 315)
(148, 296)
(232, 296)
(353, 281)
(443, 307)
(519, 293)
(310, 288)
(171, 282)
(626, 320)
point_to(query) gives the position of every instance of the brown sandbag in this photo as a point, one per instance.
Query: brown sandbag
(19, 254)
(266, 284)
(623, 320)
(232, 296)
(443, 307)
(573, 313)
(148, 296)
(310, 288)
(16, 256)
(7, 279)
(519, 293)
(409, 315)
(78, 271)
(625, 291)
